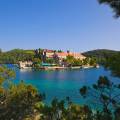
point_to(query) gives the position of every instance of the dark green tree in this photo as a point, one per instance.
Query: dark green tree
(58, 111)
(86, 61)
(105, 95)
(16, 101)
(53, 112)
(70, 60)
(113, 64)
(92, 61)
(114, 4)
(0, 51)
(16, 55)
(19, 102)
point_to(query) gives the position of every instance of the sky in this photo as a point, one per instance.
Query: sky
(76, 25)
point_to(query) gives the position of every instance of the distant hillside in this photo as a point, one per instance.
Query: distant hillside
(15, 55)
(101, 54)
(20, 51)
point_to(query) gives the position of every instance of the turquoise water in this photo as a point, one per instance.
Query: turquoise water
(62, 83)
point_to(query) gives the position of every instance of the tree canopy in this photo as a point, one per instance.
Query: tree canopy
(114, 4)
(105, 96)
(16, 101)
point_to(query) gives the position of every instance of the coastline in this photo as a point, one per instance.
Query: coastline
(61, 68)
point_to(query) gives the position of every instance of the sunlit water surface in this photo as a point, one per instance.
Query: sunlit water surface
(62, 83)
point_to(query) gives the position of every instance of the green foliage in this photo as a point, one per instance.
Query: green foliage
(36, 63)
(110, 59)
(58, 111)
(5, 74)
(16, 55)
(54, 111)
(59, 51)
(39, 54)
(114, 4)
(93, 61)
(100, 55)
(77, 62)
(117, 114)
(71, 61)
(90, 61)
(83, 91)
(0, 51)
(105, 95)
(86, 61)
(19, 101)
(16, 101)
(55, 58)
(113, 63)
(76, 112)
(50, 60)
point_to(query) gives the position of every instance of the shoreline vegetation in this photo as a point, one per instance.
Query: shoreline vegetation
(61, 68)
(45, 59)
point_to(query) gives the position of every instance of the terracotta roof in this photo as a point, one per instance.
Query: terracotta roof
(48, 50)
(62, 54)
(71, 53)
(77, 55)
(65, 54)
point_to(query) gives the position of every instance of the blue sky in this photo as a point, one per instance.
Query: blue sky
(76, 25)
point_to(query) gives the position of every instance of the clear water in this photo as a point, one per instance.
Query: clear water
(62, 83)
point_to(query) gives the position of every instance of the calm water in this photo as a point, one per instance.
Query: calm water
(62, 83)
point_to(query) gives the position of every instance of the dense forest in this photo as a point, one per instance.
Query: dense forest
(108, 58)
(16, 55)
(101, 54)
